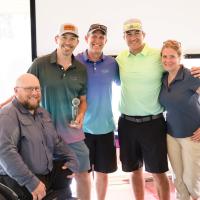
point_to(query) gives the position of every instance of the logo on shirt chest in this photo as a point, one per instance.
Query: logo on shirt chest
(73, 78)
(104, 71)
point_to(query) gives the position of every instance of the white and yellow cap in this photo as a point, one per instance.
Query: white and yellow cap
(132, 24)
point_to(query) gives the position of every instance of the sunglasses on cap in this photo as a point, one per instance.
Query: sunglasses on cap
(98, 27)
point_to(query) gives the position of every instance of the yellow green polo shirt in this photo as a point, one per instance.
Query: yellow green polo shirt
(140, 76)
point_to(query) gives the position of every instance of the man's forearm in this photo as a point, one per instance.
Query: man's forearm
(6, 102)
(83, 105)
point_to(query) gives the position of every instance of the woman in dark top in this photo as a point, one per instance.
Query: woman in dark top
(180, 97)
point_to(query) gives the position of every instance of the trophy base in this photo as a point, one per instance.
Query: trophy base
(73, 124)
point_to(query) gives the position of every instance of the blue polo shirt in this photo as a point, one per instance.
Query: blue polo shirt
(181, 103)
(101, 75)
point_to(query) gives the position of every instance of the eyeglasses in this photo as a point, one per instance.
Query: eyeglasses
(98, 26)
(31, 89)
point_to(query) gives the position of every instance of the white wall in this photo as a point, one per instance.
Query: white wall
(170, 19)
(15, 43)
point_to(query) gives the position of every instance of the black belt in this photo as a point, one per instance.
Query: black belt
(141, 119)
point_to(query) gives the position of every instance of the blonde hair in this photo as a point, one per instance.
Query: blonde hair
(173, 44)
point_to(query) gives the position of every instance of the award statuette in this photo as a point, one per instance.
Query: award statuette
(75, 108)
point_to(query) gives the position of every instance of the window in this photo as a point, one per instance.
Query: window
(15, 43)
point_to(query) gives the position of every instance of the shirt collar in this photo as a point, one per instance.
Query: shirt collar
(144, 51)
(86, 58)
(53, 59)
(180, 74)
(22, 109)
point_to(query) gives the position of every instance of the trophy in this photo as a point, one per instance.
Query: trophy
(75, 104)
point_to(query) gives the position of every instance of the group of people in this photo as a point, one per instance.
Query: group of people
(35, 160)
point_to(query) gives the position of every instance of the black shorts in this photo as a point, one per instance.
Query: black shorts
(143, 142)
(102, 152)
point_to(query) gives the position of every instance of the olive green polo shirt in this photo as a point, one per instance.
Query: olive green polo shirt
(140, 76)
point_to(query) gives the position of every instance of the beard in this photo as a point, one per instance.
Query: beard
(29, 106)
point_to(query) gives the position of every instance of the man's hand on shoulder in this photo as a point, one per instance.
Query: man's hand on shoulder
(195, 71)
(40, 192)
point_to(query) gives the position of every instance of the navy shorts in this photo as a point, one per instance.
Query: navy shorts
(102, 152)
(143, 142)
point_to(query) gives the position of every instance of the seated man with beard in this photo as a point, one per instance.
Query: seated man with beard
(34, 160)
